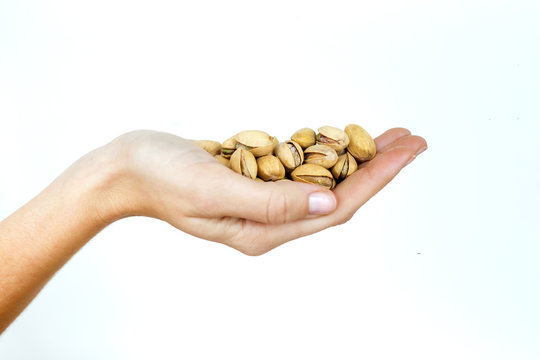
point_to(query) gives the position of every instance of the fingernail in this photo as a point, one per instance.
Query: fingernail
(321, 203)
(421, 150)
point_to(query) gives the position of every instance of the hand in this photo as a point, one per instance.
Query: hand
(172, 179)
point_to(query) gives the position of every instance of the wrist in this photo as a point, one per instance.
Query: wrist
(99, 181)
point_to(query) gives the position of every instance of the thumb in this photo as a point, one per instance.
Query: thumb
(266, 202)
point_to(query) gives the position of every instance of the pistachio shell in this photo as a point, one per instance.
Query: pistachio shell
(212, 147)
(228, 147)
(243, 162)
(259, 180)
(336, 138)
(270, 168)
(313, 174)
(322, 155)
(290, 154)
(344, 167)
(258, 142)
(361, 144)
(222, 159)
(304, 137)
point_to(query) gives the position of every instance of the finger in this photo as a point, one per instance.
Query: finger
(230, 194)
(351, 194)
(274, 203)
(408, 140)
(255, 238)
(389, 136)
(354, 191)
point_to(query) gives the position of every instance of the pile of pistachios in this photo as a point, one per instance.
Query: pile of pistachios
(324, 158)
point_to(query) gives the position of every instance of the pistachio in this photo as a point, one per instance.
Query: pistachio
(361, 145)
(313, 174)
(336, 138)
(212, 147)
(270, 168)
(222, 159)
(322, 155)
(228, 147)
(344, 167)
(304, 137)
(243, 162)
(290, 154)
(259, 179)
(258, 142)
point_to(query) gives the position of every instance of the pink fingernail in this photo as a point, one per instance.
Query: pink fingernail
(321, 203)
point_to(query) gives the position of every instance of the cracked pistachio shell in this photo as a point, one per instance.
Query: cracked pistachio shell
(313, 174)
(336, 138)
(243, 162)
(222, 159)
(258, 142)
(304, 137)
(270, 168)
(361, 144)
(322, 155)
(228, 147)
(344, 167)
(290, 154)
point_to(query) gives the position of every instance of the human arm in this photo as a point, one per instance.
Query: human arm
(163, 176)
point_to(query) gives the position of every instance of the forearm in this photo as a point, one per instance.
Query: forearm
(42, 236)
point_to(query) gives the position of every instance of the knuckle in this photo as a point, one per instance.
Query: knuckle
(277, 209)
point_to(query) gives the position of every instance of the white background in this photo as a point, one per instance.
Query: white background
(442, 264)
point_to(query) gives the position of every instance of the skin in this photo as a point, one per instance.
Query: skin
(163, 176)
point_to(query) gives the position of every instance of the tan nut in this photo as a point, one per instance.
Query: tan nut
(258, 142)
(212, 147)
(270, 168)
(222, 159)
(304, 137)
(243, 162)
(290, 154)
(361, 144)
(228, 147)
(322, 155)
(344, 167)
(313, 174)
(336, 138)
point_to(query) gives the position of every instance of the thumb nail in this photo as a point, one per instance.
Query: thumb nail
(321, 203)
